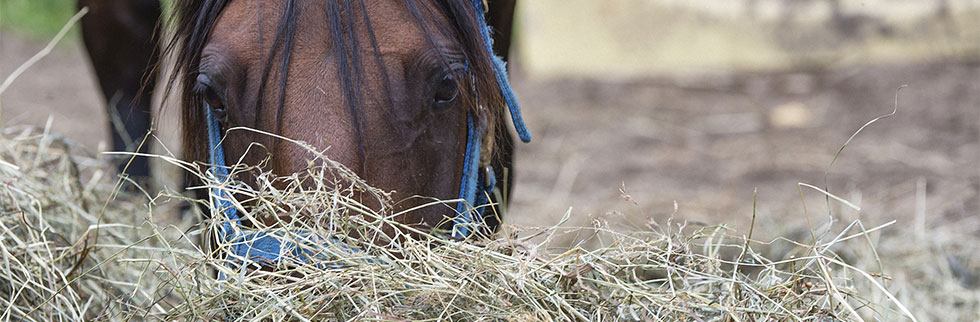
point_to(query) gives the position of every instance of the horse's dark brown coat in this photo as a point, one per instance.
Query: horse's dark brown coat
(120, 38)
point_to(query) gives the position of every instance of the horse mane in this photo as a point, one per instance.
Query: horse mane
(193, 20)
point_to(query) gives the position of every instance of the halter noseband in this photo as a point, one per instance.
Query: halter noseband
(475, 187)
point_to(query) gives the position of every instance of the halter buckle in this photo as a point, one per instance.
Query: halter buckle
(488, 177)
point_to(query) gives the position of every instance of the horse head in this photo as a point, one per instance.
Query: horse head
(406, 94)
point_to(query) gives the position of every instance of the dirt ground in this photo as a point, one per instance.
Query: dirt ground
(61, 86)
(707, 142)
(702, 141)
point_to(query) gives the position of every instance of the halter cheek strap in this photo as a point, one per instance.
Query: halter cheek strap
(475, 187)
(500, 72)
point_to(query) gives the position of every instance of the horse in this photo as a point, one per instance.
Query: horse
(411, 95)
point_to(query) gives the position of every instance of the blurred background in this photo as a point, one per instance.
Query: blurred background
(701, 102)
(638, 105)
(647, 110)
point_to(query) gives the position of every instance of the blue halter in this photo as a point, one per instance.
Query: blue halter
(475, 187)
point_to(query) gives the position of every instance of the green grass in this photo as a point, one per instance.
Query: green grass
(35, 18)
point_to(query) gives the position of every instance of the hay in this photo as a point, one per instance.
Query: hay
(68, 254)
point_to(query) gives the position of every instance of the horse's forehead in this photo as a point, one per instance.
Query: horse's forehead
(248, 24)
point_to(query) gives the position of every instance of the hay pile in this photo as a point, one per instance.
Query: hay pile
(69, 254)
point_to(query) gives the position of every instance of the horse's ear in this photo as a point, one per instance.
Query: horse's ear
(500, 17)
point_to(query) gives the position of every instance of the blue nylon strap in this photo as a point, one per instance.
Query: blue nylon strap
(263, 247)
(257, 246)
(465, 219)
(500, 72)
(220, 174)
(476, 186)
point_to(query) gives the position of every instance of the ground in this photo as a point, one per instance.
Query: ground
(708, 142)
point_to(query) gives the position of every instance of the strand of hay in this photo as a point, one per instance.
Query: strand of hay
(66, 257)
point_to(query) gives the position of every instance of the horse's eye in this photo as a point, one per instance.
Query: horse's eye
(211, 96)
(446, 93)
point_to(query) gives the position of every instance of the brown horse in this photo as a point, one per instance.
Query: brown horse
(392, 87)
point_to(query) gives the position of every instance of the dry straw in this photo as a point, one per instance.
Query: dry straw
(66, 257)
